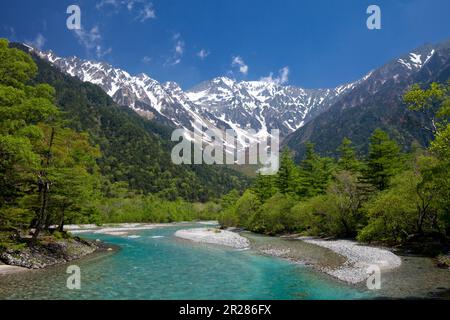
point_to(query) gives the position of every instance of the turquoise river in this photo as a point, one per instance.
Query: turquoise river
(156, 265)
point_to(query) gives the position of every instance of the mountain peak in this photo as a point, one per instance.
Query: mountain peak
(260, 105)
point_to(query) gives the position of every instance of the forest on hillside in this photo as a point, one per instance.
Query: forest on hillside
(389, 196)
(70, 155)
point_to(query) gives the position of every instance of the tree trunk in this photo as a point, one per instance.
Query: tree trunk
(43, 209)
(44, 188)
(61, 221)
(420, 222)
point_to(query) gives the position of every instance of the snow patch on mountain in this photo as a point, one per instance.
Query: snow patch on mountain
(416, 60)
(221, 103)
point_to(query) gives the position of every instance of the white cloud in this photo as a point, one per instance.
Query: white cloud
(283, 77)
(38, 42)
(91, 41)
(130, 5)
(202, 54)
(179, 47)
(178, 51)
(88, 39)
(146, 13)
(146, 59)
(104, 3)
(100, 52)
(175, 62)
(143, 9)
(239, 62)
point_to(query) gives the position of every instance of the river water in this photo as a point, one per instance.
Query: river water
(153, 264)
(159, 266)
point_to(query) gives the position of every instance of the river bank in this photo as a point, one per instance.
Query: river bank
(349, 262)
(359, 259)
(47, 252)
(214, 236)
(402, 276)
(155, 265)
(50, 251)
(338, 263)
(119, 229)
(415, 277)
(7, 269)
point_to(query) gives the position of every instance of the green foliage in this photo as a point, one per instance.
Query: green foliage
(436, 99)
(16, 67)
(274, 216)
(393, 213)
(388, 197)
(287, 176)
(48, 172)
(9, 241)
(265, 186)
(133, 149)
(348, 161)
(228, 216)
(384, 160)
(337, 213)
(246, 207)
(315, 173)
(151, 209)
(417, 201)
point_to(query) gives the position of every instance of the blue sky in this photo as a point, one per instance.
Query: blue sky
(308, 43)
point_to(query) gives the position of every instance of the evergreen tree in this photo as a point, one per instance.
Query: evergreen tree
(287, 176)
(384, 160)
(348, 160)
(315, 173)
(265, 186)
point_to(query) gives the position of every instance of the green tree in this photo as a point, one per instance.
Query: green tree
(384, 160)
(315, 173)
(336, 213)
(265, 186)
(275, 216)
(229, 200)
(348, 161)
(246, 207)
(393, 214)
(47, 171)
(435, 102)
(228, 216)
(22, 109)
(287, 176)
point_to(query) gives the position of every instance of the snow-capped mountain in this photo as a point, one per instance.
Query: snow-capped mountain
(222, 102)
(228, 104)
(261, 105)
(377, 102)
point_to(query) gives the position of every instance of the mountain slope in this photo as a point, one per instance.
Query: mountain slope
(134, 149)
(261, 105)
(321, 116)
(221, 103)
(377, 102)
